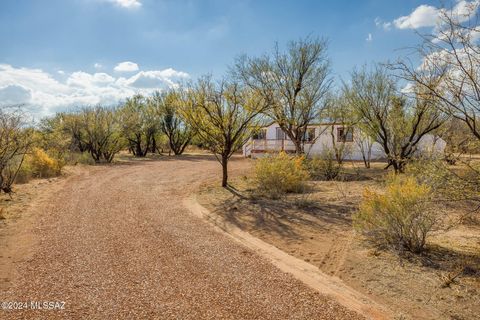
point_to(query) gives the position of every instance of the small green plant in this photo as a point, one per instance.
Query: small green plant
(280, 174)
(324, 167)
(400, 218)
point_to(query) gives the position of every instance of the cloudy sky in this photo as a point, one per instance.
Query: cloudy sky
(56, 54)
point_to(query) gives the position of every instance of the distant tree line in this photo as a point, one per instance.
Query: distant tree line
(393, 105)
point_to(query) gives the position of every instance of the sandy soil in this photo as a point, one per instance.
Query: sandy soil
(316, 227)
(116, 242)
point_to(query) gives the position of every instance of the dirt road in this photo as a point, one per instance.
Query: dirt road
(117, 243)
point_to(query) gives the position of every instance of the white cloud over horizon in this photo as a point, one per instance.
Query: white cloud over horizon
(44, 95)
(126, 66)
(128, 4)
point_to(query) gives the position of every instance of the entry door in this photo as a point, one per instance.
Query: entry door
(280, 134)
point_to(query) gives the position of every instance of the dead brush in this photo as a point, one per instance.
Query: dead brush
(449, 278)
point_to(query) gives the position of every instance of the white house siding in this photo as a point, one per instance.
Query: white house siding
(428, 145)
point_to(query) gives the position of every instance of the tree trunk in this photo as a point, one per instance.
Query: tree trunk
(398, 165)
(225, 171)
(298, 146)
(153, 145)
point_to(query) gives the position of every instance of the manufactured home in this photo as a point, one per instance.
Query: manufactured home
(321, 137)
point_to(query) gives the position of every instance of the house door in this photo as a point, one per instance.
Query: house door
(280, 135)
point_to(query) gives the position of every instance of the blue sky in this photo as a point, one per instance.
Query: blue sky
(60, 53)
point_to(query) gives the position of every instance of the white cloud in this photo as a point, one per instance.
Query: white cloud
(43, 94)
(126, 66)
(61, 72)
(129, 4)
(97, 66)
(152, 79)
(369, 38)
(422, 16)
(429, 16)
(382, 24)
(86, 80)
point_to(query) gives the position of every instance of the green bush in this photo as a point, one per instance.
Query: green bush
(400, 218)
(280, 174)
(324, 167)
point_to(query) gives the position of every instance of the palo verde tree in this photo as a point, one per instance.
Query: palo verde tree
(397, 123)
(178, 132)
(294, 83)
(224, 115)
(139, 124)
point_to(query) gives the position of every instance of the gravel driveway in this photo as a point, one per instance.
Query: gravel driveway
(117, 243)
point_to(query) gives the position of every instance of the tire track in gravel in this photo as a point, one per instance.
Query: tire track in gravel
(116, 242)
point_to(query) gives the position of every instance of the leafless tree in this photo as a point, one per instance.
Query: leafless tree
(15, 141)
(450, 65)
(364, 142)
(340, 113)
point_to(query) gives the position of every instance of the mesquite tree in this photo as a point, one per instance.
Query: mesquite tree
(139, 124)
(102, 135)
(178, 132)
(397, 123)
(294, 83)
(224, 115)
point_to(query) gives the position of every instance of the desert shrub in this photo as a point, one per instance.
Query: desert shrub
(15, 141)
(400, 218)
(280, 174)
(38, 164)
(43, 165)
(447, 184)
(324, 167)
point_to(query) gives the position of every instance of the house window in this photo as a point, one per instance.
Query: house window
(344, 134)
(280, 134)
(309, 135)
(260, 134)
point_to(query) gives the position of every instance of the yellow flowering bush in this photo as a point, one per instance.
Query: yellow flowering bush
(38, 164)
(280, 174)
(400, 218)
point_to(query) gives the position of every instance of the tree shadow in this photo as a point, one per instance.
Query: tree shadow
(448, 260)
(129, 159)
(279, 217)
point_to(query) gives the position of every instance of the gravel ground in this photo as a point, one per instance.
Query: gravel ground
(117, 243)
